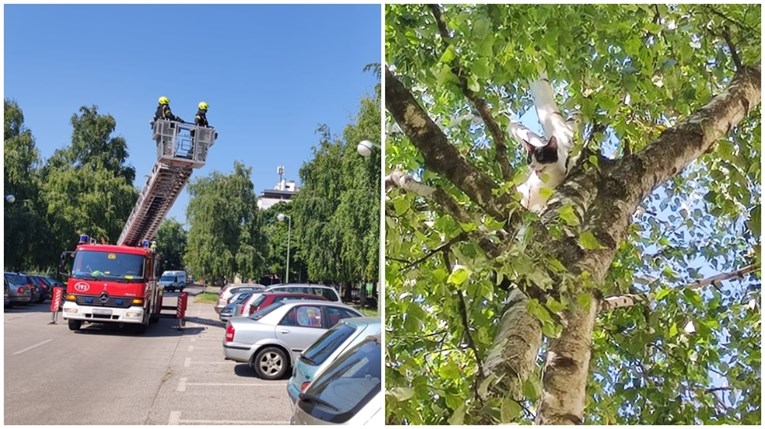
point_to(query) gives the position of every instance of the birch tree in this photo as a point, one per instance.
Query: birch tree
(633, 295)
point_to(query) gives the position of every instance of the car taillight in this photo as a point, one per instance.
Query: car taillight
(21, 290)
(230, 332)
(304, 386)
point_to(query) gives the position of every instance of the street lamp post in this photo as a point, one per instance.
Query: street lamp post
(364, 149)
(281, 217)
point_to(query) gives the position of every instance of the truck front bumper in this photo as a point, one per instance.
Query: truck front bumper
(101, 314)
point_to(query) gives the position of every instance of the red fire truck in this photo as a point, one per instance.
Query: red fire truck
(111, 283)
(118, 283)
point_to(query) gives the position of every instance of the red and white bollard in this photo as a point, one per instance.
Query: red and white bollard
(180, 311)
(56, 302)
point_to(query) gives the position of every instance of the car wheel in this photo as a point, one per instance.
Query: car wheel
(74, 324)
(270, 363)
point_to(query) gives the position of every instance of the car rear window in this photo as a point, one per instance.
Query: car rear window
(327, 344)
(16, 279)
(348, 384)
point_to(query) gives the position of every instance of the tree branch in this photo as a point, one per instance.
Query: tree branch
(630, 300)
(731, 20)
(480, 104)
(443, 247)
(732, 48)
(439, 154)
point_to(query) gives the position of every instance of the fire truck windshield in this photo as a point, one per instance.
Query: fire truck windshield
(108, 265)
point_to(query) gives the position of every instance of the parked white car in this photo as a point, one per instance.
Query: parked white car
(348, 392)
(271, 339)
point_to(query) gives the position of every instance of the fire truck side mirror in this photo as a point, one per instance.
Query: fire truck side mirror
(64, 261)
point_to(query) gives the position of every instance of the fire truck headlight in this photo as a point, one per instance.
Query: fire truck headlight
(70, 310)
(136, 314)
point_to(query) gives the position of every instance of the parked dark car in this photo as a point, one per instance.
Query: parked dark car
(19, 290)
(44, 287)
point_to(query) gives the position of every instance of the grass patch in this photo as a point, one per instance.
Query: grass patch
(207, 297)
(369, 312)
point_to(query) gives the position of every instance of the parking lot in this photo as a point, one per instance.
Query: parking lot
(171, 375)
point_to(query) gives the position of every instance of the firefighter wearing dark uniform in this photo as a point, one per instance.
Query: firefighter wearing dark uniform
(201, 118)
(164, 112)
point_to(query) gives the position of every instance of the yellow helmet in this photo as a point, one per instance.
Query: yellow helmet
(164, 100)
(203, 105)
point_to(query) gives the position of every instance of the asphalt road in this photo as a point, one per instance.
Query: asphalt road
(106, 375)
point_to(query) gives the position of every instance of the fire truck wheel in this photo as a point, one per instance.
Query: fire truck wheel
(270, 363)
(74, 325)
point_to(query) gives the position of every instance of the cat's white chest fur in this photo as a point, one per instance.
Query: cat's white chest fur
(531, 190)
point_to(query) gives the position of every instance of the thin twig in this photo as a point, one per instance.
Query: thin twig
(732, 48)
(480, 104)
(442, 248)
(731, 20)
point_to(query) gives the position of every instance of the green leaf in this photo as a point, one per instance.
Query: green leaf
(458, 417)
(568, 215)
(401, 393)
(448, 55)
(458, 276)
(587, 241)
(530, 390)
(510, 410)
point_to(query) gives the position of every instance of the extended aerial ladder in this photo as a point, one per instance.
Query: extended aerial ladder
(181, 147)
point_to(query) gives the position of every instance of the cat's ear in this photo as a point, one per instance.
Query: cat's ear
(552, 143)
(529, 147)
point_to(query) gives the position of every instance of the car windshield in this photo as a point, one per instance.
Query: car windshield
(241, 297)
(326, 344)
(264, 311)
(167, 278)
(346, 385)
(259, 300)
(107, 265)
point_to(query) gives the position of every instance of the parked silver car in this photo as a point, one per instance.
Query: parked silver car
(326, 291)
(348, 392)
(229, 290)
(271, 339)
(342, 337)
(19, 289)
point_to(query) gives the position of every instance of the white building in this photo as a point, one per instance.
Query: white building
(283, 191)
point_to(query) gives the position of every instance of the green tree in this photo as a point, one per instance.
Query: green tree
(92, 144)
(337, 211)
(277, 232)
(86, 187)
(171, 244)
(26, 228)
(603, 307)
(225, 232)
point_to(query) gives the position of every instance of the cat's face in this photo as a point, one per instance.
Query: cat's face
(540, 158)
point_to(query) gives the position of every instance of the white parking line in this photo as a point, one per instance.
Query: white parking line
(175, 419)
(187, 362)
(31, 347)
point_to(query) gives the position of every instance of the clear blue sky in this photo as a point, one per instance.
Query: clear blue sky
(270, 74)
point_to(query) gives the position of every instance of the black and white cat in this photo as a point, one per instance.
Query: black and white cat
(547, 169)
